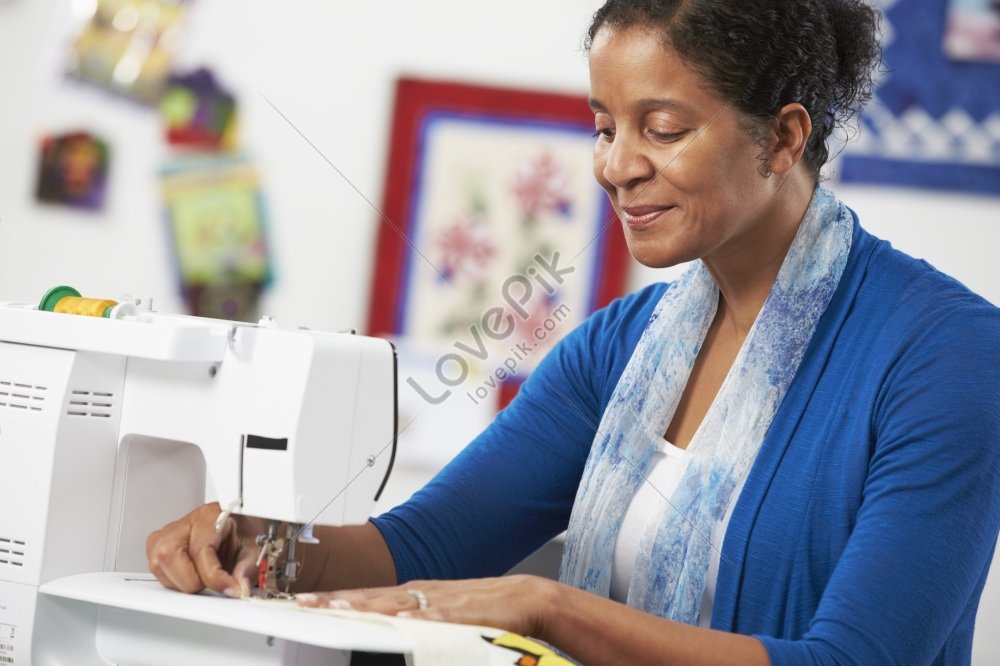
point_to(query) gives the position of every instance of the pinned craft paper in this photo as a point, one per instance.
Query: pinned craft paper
(972, 30)
(73, 170)
(236, 301)
(198, 113)
(126, 46)
(217, 222)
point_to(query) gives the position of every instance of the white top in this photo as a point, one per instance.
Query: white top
(666, 469)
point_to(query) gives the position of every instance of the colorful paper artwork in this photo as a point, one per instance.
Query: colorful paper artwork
(73, 171)
(198, 113)
(235, 302)
(217, 223)
(972, 30)
(495, 239)
(127, 46)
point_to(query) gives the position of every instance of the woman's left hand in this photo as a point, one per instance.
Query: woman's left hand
(516, 603)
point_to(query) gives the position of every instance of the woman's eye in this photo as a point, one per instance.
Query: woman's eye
(666, 136)
(607, 133)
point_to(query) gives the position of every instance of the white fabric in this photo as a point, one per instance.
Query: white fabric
(664, 473)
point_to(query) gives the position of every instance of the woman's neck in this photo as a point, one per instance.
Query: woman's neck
(745, 279)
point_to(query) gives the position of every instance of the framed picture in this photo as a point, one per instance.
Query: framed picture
(495, 239)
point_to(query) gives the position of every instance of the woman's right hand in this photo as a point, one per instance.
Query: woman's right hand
(189, 555)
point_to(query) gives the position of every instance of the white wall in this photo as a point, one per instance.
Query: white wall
(329, 67)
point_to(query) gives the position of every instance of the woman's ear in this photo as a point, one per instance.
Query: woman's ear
(790, 130)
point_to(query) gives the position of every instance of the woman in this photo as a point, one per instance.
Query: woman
(789, 455)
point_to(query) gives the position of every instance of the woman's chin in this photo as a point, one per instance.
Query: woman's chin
(656, 255)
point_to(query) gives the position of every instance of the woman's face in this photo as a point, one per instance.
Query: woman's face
(681, 170)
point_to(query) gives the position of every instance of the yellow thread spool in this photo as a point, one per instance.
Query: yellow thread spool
(91, 307)
(69, 301)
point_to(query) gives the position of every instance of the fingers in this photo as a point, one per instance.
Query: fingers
(183, 554)
(386, 600)
(167, 553)
(204, 545)
(432, 614)
(515, 603)
(245, 570)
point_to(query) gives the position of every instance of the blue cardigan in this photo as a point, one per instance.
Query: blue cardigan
(866, 527)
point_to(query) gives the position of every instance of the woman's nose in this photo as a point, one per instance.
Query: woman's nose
(626, 163)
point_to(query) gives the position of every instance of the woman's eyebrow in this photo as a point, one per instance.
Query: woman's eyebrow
(646, 104)
(656, 104)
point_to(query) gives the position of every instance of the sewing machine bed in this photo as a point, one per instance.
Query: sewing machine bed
(141, 592)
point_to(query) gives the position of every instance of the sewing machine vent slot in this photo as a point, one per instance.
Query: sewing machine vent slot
(11, 552)
(90, 403)
(20, 396)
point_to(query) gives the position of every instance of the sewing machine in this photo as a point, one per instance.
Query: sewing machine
(112, 425)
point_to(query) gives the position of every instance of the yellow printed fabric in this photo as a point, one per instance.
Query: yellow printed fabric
(528, 652)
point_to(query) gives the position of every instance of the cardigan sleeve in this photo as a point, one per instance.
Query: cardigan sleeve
(920, 550)
(512, 488)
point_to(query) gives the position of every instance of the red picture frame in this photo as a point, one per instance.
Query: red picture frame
(397, 246)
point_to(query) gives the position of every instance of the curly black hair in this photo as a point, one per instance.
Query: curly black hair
(822, 54)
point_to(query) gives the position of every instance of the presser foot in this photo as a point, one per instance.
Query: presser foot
(272, 577)
(259, 593)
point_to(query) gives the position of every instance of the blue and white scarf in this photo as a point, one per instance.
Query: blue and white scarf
(674, 554)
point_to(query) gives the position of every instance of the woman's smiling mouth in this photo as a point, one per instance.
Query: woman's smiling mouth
(639, 217)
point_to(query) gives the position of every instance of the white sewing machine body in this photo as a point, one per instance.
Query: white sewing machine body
(110, 428)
